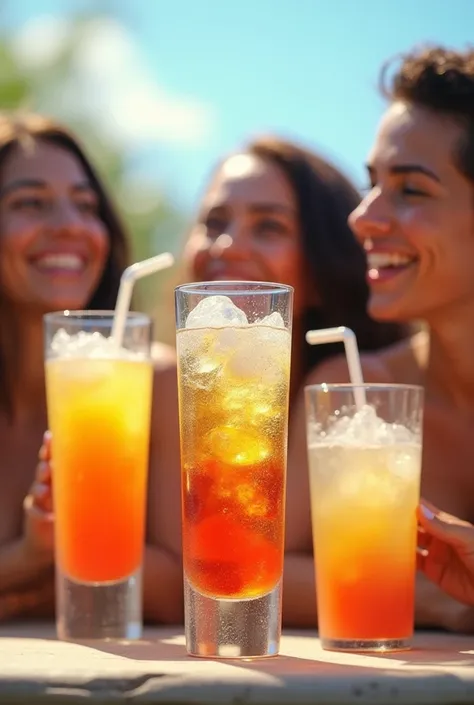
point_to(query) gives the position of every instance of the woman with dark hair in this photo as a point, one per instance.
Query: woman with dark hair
(278, 212)
(275, 211)
(62, 246)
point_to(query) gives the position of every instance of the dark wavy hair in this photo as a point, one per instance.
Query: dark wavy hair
(440, 80)
(21, 132)
(325, 198)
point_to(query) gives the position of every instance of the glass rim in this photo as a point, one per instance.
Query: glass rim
(98, 315)
(367, 386)
(235, 287)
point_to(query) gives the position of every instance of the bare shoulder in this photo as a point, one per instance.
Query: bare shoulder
(408, 359)
(403, 362)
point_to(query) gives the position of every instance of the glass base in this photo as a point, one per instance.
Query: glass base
(378, 645)
(99, 610)
(232, 628)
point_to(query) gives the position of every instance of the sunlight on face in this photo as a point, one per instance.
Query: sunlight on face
(417, 220)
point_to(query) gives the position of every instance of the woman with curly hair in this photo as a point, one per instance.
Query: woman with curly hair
(416, 224)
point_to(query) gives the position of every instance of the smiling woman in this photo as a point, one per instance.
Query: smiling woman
(62, 246)
(276, 211)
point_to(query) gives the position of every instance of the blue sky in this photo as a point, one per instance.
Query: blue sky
(303, 68)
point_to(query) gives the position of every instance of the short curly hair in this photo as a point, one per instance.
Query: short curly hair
(442, 81)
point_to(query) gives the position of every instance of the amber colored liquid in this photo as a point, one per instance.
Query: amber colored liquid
(364, 528)
(233, 449)
(99, 415)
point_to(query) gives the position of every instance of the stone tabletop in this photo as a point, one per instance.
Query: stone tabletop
(35, 668)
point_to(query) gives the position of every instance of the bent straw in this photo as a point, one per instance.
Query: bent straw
(346, 336)
(127, 282)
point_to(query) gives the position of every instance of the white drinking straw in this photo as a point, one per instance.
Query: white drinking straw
(346, 336)
(127, 282)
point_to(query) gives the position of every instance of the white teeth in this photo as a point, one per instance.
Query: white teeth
(378, 260)
(70, 262)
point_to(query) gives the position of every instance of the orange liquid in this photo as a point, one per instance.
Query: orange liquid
(379, 606)
(364, 529)
(233, 530)
(233, 453)
(99, 415)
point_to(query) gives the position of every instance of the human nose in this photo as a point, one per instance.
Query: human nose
(66, 217)
(232, 243)
(371, 218)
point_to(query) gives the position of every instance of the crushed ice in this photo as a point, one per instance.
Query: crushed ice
(89, 345)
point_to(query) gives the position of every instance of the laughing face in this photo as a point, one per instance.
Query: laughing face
(417, 221)
(53, 245)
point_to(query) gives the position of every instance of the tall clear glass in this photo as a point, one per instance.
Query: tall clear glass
(234, 346)
(99, 409)
(365, 465)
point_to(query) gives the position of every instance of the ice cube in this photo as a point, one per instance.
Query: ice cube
(238, 447)
(274, 320)
(262, 354)
(366, 428)
(226, 341)
(200, 365)
(89, 345)
(216, 312)
(81, 344)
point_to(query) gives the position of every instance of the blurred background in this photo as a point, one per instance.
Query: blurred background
(160, 90)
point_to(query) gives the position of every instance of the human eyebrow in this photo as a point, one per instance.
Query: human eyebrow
(21, 183)
(415, 169)
(269, 208)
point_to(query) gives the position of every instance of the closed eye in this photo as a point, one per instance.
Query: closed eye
(271, 226)
(410, 191)
(89, 207)
(28, 203)
(215, 224)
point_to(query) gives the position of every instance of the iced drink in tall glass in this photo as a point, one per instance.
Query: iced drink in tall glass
(365, 468)
(234, 343)
(99, 408)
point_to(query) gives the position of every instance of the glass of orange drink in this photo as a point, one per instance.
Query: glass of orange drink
(233, 343)
(364, 466)
(99, 408)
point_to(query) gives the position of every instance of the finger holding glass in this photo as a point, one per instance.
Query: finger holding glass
(446, 552)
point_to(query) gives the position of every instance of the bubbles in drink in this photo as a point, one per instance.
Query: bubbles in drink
(219, 342)
(259, 354)
(234, 378)
(237, 447)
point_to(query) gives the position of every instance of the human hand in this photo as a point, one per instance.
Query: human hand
(446, 552)
(38, 507)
